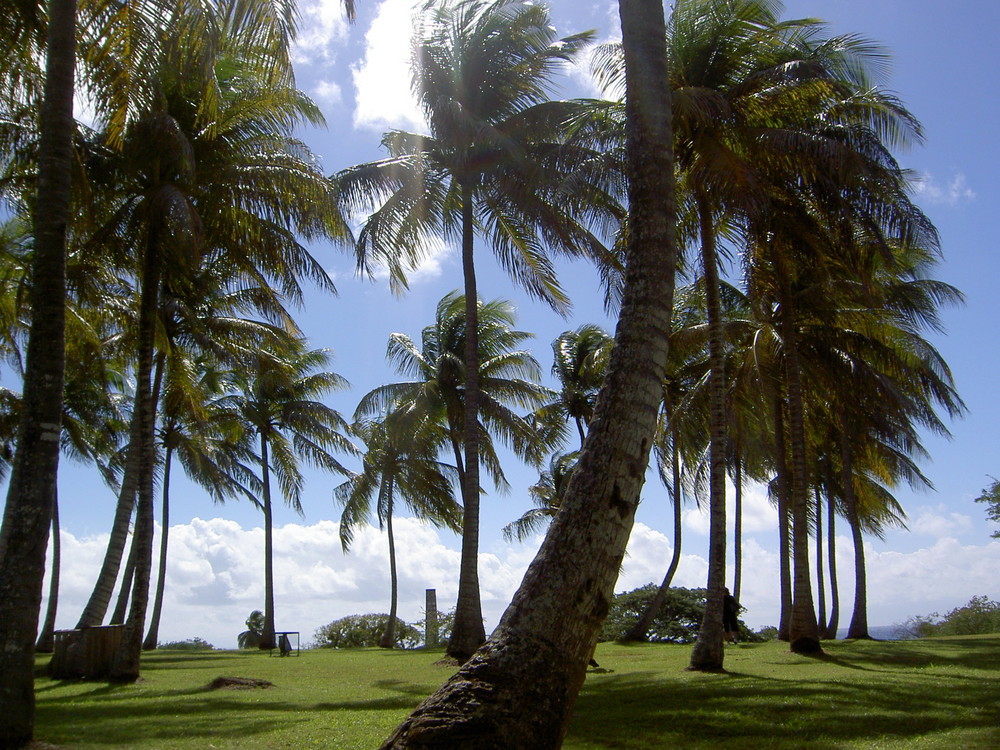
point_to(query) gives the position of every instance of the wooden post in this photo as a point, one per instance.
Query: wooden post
(431, 620)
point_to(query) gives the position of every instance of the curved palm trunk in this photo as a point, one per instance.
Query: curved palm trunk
(24, 535)
(859, 617)
(784, 553)
(47, 636)
(153, 632)
(640, 631)
(267, 635)
(803, 628)
(125, 666)
(388, 639)
(125, 587)
(820, 587)
(518, 690)
(468, 633)
(708, 652)
(582, 432)
(831, 548)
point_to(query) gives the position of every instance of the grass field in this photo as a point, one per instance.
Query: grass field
(936, 693)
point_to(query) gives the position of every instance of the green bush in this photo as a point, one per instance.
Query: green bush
(979, 617)
(191, 644)
(360, 631)
(678, 620)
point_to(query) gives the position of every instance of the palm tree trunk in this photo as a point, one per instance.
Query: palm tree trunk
(389, 636)
(153, 633)
(859, 617)
(519, 689)
(831, 626)
(820, 588)
(708, 652)
(267, 635)
(47, 636)
(125, 666)
(784, 553)
(803, 628)
(24, 535)
(738, 529)
(640, 631)
(468, 633)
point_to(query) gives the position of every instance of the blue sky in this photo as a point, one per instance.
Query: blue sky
(944, 70)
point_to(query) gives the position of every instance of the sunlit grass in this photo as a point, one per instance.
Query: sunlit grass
(938, 693)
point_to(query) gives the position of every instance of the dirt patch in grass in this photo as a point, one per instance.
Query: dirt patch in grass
(238, 683)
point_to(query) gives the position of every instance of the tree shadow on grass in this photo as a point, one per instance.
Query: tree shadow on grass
(751, 711)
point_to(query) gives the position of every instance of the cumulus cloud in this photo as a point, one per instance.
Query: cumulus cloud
(322, 30)
(950, 193)
(758, 513)
(939, 522)
(328, 92)
(215, 575)
(382, 78)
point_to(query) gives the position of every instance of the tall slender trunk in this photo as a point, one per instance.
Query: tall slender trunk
(803, 628)
(784, 552)
(468, 633)
(708, 652)
(640, 631)
(126, 663)
(27, 515)
(831, 548)
(519, 689)
(820, 587)
(737, 528)
(153, 632)
(46, 638)
(582, 432)
(389, 636)
(125, 587)
(859, 617)
(267, 635)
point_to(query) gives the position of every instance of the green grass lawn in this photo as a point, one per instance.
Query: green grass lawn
(936, 693)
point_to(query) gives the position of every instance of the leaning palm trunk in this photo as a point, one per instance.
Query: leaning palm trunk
(820, 586)
(803, 629)
(640, 631)
(708, 652)
(831, 549)
(388, 639)
(46, 637)
(120, 611)
(468, 632)
(517, 691)
(153, 632)
(27, 514)
(126, 662)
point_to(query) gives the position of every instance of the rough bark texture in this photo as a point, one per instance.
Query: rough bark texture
(28, 511)
(708, 652)
(518, 690)
(469, 633)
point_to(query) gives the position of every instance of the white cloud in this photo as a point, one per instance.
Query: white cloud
(758, 513)
(215, 576)
(328, 92)
(939, 522)
(322, 31)
(950, 193)
(382, 79)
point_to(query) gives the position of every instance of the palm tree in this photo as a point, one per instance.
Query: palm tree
(400, 463)
(490, 166)
(519, 688)
(579, 361)
(278, 402)
(547, 493)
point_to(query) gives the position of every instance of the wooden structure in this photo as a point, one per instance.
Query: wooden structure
(86, 653)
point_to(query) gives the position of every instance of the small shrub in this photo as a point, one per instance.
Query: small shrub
(191, 644)
(361, 631)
